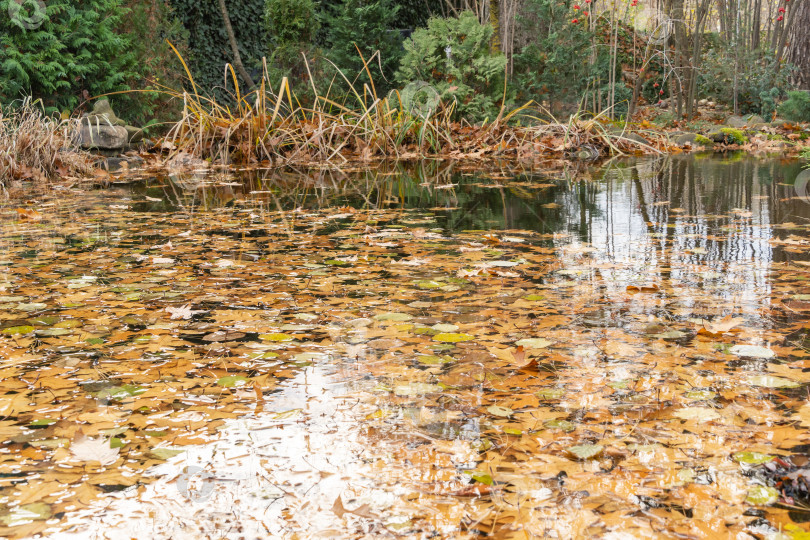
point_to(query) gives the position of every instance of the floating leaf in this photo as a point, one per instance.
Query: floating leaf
(432, 360)
(752, 351)
(417, 389)
(534, 343)
(534, 297)
(481, 476)
(12, 330)
(751, 458)
(232, 381)
(771, 381)
(86, 449)
(445, 327)
(53, 332)
(497, 410)
(701, 395)
(25, 513)
(701, 414)
(35, 306)
(762, 495)
(453, 338)
(165, 453)
(564, 425)
(276, 337)
(286, 415)
(585, 451)
(512, 431)
(551, 393)
(399, 317)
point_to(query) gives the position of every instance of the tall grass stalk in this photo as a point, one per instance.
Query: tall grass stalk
(271, 125)
(34, 146)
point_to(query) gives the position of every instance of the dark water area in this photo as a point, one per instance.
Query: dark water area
(662, 198)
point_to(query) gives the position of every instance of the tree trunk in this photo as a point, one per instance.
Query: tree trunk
(237, 58)
(495, 22)
(798, 48)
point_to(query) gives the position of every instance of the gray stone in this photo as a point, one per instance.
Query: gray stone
(636, 138)
(753, 119)
(103, 136)
(102, 113)
(736, 122)
(687, 138)
(717, 136)
(134, 134)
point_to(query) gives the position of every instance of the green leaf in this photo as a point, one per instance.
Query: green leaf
(231, 381)
(751, 458)
(13, 330)
(762, 495)
(481, 477)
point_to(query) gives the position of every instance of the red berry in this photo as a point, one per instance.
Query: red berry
(575, 21)
(585, 13)
(781, 10)
(655, 85)
(779, 18)
(576, 6)
(661, 92)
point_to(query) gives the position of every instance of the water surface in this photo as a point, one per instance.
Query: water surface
(426, 350)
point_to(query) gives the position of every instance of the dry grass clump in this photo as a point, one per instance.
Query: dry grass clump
(34, 146)
(270, 125)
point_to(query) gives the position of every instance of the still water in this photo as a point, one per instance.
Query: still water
(424, 350)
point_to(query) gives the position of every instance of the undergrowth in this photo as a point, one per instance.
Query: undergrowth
(269, 124)
(35, 146)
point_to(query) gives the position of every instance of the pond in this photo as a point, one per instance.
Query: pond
(418, 350)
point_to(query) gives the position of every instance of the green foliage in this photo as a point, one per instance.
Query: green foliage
(734, 136)
(703, 140)
(290, 22)
(74, 53)
(558, 65)
(760, 80)
(152, 23)
(208, 42)
(453, 54)
(365, 25)
(797, 107)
